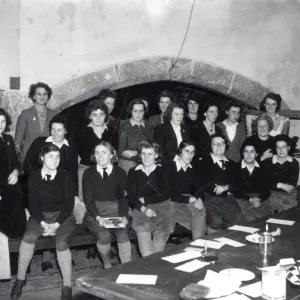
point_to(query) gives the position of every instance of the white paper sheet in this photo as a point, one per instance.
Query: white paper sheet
(286, 261)
(137, 279)
(244, 228)
(210, 244)
(230, 242)
(281, 222)
(234, 296)
(177, 258)
(252, 290)
(192, 266)
(193, 249)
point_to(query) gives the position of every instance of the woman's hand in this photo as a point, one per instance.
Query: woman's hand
(130, 153)
(125, 221)
(142, 200)
(13, 177)
(286, 187)
(219, 189)
(198, 203)
(267, 154)
(255, 201)
(100, 221)
(148, 212)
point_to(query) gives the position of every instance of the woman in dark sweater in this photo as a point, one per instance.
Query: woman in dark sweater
(104, 187)
(12, 210)
(189, 209)
(51, 201)
(148, 192)
(88, 137)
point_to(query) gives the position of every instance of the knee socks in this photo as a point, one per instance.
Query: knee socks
(65, 263)
(145, 243)
(25, 255)
(104, 253)
(125, 252)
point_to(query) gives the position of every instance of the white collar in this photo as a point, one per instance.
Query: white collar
(108, 170)
(141, 167)
(275, 159)
(250, 169)
(178, 127)
(227, 124)
(50, 140)
(217, 160)
(92, 126)
(179, 165)
(132, 122)
(44, 177)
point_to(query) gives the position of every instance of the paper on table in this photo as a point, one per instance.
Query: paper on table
(177, 258)
(230, 242)
(234, 296)
(252, 290)
(137, 279)
(281, 222)
(244, 228)
(192, 266)
(210, 244)
(286, 261)
(193, 249)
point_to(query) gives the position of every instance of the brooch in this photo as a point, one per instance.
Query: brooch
(34, 118)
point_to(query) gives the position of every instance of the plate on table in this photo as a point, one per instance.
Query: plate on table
(254, 238)
(240, 274)
(293, 276)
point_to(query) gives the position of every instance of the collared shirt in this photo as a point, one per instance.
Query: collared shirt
(179, 166)
(132, 122)
(99, 135)
(109, 169)
(142, 168)
(177, 130)
(275, 159)
(230, 129)
(218, 160)
(250, 169)
(50, 140)
(44, 177)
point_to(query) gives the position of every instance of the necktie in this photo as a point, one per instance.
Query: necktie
(1, 142)
(105, 175)
(223, 164)
(48, 177)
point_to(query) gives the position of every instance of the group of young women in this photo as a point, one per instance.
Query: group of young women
(132, 169)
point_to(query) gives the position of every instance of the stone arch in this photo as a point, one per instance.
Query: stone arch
(153, 69)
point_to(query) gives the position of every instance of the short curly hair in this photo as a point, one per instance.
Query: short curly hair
(108, 146)
(7, 117)
(33, 87)
(273, 96)
(166, 94)
(183, 145)
(167, 116)
(259, 118)
(106, 93)
(219, 135)
(150, 145)
(47, 148)
(95, 105)
(134, 102)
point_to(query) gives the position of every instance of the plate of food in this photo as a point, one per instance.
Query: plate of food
(114, 222)
(240, 274)
(254, 238)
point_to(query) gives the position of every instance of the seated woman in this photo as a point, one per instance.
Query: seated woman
(216, 177)
(189, 209)
(51, 201)
(283, 172)
(172, 132)
(131, 133)
(264, 143)
(205, 129)
(12, 210)
(149, 194)
(91, 135)
(104, 187)
(251, 188)
(34, 121)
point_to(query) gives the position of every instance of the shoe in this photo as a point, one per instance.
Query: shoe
(46, 265)
(16, 291)
(66, 293)
(92, 253)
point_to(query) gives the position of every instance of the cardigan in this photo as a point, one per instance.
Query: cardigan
(95, 188)
(165, 136)
(28, 128)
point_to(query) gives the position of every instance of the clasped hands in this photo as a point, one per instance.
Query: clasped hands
(147, 211)
(197, 202)
(50, 229)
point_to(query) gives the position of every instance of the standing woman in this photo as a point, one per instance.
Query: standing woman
(51, 200)
(104, 187)
(206, 128)
(91, 135)
(131, 133)
(12, 211)
(172, 132)
(34, 121)
(149, 194)
(192, 101)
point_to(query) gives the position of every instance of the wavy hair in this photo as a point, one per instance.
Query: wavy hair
(33, 87)
(108, 146)
(7, 117)
(150, 145)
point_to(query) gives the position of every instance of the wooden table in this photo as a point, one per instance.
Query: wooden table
(170, 281)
